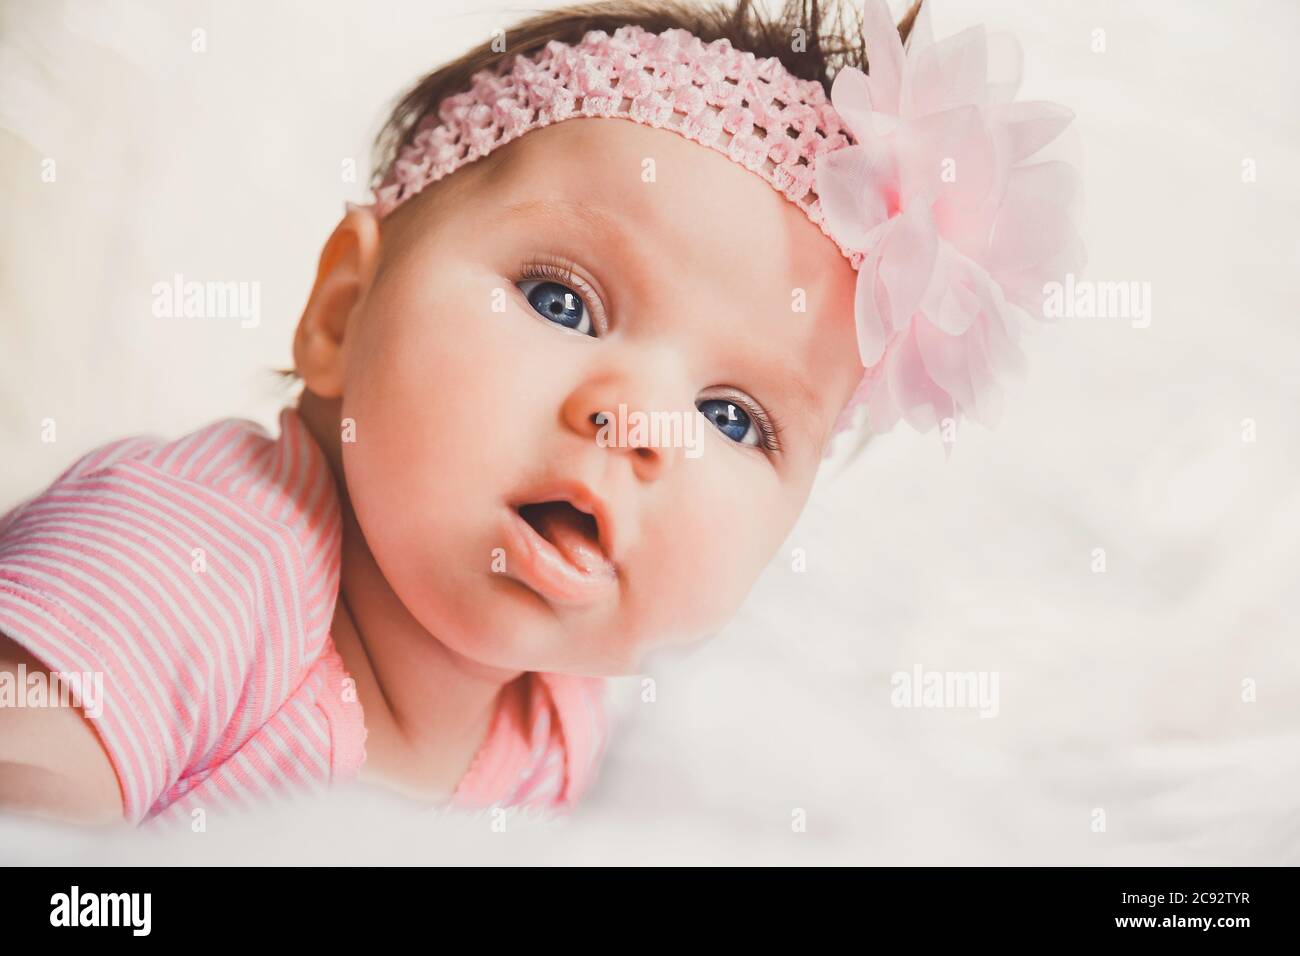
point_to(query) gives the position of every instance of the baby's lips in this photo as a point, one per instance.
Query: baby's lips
(558, 526)
(583, 499)
(542, 565)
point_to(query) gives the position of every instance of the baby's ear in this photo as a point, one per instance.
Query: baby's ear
(347, 267)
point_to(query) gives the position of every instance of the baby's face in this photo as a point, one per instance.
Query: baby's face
(477, 368)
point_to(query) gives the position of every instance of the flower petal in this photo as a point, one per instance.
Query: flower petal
(851, 186)
(907, 263)
(1034, 236)
(1005, 360)
(921, 402)
(851, 97)
(922, 33)
(946, 362)
(950, 73)
(950, 156)
(986, 404)
(1023, 128)
(884, 55)
(882, 410)
(871, 311)
(951, 303)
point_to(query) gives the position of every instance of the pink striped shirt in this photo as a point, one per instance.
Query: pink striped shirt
(199, 577)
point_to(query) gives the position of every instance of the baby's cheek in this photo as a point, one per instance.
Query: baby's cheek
(704, 562)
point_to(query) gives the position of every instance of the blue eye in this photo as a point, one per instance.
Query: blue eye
(559, 304)
(730, 419)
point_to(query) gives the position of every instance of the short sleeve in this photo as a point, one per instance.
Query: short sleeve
(151, 588)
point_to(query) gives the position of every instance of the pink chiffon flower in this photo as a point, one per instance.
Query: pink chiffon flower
(959, 232)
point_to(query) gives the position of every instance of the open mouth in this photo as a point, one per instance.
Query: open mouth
(573, 533)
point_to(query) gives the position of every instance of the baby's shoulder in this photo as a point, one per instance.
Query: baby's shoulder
(194, 579)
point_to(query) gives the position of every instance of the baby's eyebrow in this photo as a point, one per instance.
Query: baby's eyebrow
(586, 215)
(610, 231)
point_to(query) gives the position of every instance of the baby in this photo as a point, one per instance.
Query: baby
(566, 387)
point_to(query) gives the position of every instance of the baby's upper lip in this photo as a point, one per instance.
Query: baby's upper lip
(585, 500)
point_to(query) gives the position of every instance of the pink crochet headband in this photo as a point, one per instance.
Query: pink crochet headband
(917, 172)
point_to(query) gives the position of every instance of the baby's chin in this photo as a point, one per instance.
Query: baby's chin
(500, 622)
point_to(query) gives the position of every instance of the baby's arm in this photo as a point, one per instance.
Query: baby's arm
(52, 763)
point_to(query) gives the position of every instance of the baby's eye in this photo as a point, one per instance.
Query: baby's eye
(559, 304)
(732, 420)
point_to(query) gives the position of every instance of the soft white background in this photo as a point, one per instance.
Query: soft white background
(1119, 691)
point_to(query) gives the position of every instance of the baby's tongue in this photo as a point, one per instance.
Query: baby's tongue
(570, 532)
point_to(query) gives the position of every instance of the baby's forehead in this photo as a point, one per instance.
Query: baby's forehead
(664, 185)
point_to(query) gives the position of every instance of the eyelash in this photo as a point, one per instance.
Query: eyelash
(769, 427)
(563, 271)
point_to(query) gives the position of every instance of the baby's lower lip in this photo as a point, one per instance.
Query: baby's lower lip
(537, 563)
